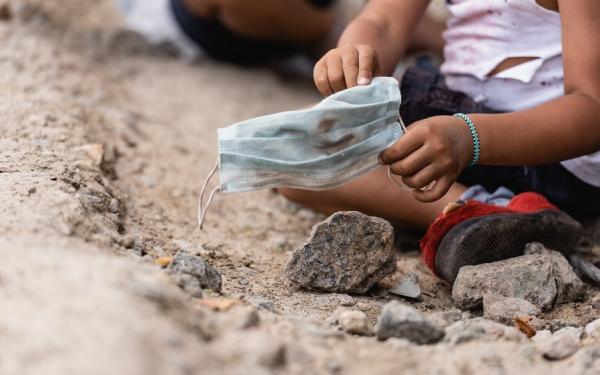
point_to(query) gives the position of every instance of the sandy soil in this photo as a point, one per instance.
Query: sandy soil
(104, 144)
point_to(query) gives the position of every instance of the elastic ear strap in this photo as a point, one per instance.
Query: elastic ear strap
(202, 214)
(201, 197)
(404, 187)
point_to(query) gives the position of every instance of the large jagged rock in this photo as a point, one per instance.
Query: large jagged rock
(406, 322)
(193, 274)
(530, 277)
(570, 287)
(347, 253)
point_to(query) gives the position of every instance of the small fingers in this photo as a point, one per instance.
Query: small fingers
(406, 145)
(367, 64)
(350, 66)
(322, 79)
(335, 72)
(412, 163)
(440, 189)
(422, 178)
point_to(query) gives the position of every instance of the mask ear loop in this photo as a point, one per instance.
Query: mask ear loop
(201, 209)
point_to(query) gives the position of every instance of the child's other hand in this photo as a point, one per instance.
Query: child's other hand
(345, 67)
(435, 149)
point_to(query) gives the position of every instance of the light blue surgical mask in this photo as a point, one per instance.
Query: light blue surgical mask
(319, 148)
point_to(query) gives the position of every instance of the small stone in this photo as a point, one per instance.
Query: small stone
(355, 322)
(114, 206)
(592, 330)
(570, 287)
(505, 309)
(407, 287)
(346, 300)
(250, 348)
(403, 321)
(164, 261)
(529, 277)
(557, 346)
(574, 332)
(347, 253)
(193, 274)
(480, 329)
(443, 319)
(94, 152)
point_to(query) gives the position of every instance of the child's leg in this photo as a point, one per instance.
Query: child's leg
(289, 21)
(376, 195)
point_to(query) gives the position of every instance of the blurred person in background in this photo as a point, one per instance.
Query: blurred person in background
(258, 32)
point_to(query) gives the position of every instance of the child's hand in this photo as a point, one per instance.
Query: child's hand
(434, 149)
(345, 67)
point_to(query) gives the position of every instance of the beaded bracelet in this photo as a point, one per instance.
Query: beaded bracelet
(474, 134)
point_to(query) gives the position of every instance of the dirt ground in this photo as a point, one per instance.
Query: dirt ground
(104, 145)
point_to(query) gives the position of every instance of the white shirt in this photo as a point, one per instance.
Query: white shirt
(482, 34)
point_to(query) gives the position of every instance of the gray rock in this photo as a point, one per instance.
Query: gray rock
(529, 277)
(585, 268)
(407, 287)
(355, 322)
(574, 332)
(193, 274)
(480, 329)
(570, 287)
(443, 319)
(505, 309)
(557, 346)
(403, 321)
(347, 253)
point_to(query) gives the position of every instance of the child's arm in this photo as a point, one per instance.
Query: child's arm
(439, 148)
(372, 44)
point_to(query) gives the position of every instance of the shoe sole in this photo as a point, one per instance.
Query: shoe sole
(496, 237)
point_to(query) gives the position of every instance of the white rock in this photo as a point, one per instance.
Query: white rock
(574, 332)
(592, 330)
(557, 346)
(505, 309)
(355, 322)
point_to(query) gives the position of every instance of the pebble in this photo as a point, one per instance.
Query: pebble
(355, 322)
(443, 319)
(403, 321)
(480, 329)
(164, 261)
(505, 309)
(529, 277)
(407, 287)
(193, 274)
(592, 330)
(349, 252)
(557, 346)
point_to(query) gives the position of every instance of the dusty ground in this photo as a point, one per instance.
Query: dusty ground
(104, 144)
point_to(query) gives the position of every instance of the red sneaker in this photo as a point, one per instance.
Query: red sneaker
(474, 233)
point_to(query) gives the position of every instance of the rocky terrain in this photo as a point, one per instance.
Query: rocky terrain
(104, 145)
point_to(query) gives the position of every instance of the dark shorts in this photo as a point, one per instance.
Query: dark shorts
(223, 44)
(424, 94)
